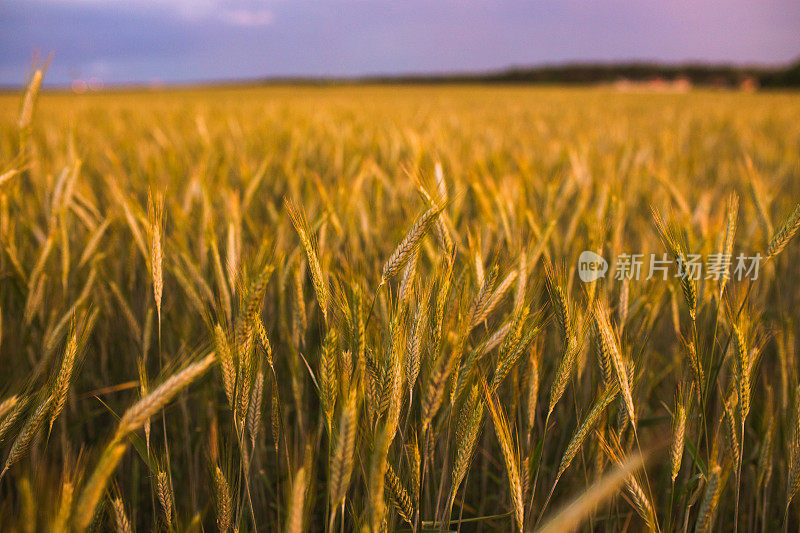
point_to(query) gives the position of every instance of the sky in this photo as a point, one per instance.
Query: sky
(161, 41)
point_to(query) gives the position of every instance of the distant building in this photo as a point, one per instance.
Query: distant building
(680, 84)
(748, 84)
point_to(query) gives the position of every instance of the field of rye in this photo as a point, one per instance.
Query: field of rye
(358, 308)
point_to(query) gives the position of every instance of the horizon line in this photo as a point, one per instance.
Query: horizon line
(441, 76)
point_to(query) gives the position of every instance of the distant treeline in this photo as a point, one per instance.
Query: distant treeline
(587, 73)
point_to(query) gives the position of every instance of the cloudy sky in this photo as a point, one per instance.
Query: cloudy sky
(122, 41)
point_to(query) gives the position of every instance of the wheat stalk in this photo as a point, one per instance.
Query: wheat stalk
(59, 523)
(708, 507)
(341, 463)
(467, 433)
(301, 226)
(254, 411)
(678, 251)
(678, 437)
(784, 234)
(575, 443)
(25, 438)
(569, 352)
(137, 414)
(398, 496)
(755, 187)
(793, 481)
(415, 340)
(328, 376)
(408, 246)
(28, 105)
(765, 455)
(134, 417)
(743, 366)
(619, 366)
(61, 386)
(11, 418)
(155, 210)
(510, 457)
(96, 484)
(294, 521)
(570, 518)
(8, 404)
(730, 233)
(226, 363)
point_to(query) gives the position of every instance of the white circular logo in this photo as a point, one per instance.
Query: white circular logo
(591, 266)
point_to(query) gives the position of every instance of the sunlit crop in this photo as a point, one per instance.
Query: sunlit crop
(359, 308)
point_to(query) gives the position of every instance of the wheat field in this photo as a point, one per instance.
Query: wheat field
(359, 308)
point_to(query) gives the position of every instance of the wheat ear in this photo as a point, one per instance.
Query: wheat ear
(730, 233)
(341, 465)
(708, 507)
(510, 456)
(164, 496)
(582, 432)
(301, 226)
(408, 246)
(123, 525)
(133, 418)
(155, 210)
(784, 234)
(223, 500)
(25, 438)
(61, 386)
(145, 408)
(620, 368)
(398, 495)
(793, 482)
(7, 405)
(678, 437)
(467, 432)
